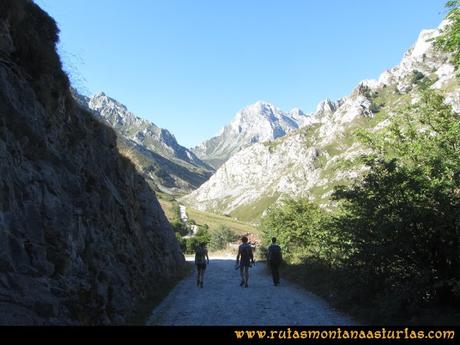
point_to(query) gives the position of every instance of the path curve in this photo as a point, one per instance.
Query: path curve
(223, 302)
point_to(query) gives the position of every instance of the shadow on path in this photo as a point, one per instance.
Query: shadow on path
(223, 302)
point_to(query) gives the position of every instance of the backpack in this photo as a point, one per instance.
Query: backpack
(275, 254)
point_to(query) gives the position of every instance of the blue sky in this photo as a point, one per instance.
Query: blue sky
(190, 65)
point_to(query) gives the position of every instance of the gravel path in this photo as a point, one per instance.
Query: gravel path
(223, 302)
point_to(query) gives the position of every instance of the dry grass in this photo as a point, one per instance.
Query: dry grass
(214, 221)
(167, 207)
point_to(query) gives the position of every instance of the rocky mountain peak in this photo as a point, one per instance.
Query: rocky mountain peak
(261, 105)
(257, 110)
(310, 161)
(172, 167)
(258, 122)
(297, 112)
(100, 94)
(100, 101)
(326, 107)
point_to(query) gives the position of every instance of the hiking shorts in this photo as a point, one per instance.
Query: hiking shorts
(246, 264)
(201, 266)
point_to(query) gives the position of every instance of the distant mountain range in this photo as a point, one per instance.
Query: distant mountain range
(258, 122)
(269, 154)
(170, 167)
(265, 153)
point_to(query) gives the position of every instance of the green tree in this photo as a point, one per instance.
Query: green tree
(401, 223)
(191, 244)
(449, 40)
(221, 237)
(203, 235)
(179, 227)
(297, 225)
(182, 242)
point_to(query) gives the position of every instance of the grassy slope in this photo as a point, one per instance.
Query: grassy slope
(253, 212)
(214, 221)
(167, 204)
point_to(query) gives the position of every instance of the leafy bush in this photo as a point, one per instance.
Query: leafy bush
(449, 40)
(221, 237)
(182, 242)
(180, 228)
(203, 234)
(417, 76)
(192, 243)
(394, 238)
(401, 223)
(298, 226)
(375, 108)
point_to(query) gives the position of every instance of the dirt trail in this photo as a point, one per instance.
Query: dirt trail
(223, 302)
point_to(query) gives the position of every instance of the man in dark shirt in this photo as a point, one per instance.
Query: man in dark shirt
(274, 259)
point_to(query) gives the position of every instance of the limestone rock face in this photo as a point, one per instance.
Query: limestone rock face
(82, 236)
(258, 122)
(170, 167)
(311, 160)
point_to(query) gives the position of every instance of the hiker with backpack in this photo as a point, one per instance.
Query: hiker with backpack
(244, 259)
(274, 259)
(201, 259)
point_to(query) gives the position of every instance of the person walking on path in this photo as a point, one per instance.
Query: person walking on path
(274, 259)
(244, 259)
(201, 259)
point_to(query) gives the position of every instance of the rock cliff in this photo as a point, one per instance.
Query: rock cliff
(170, 167)
(82, 236)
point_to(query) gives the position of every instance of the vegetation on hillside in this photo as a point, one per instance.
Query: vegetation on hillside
(395, 234)
(394, 237)
(298, 226)
(214, 221)
(214, 230)
(449, 41)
